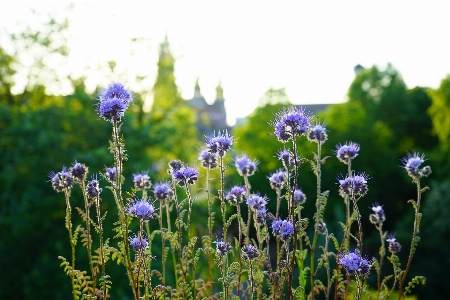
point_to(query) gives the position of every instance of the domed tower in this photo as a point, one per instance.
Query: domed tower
(218, 113)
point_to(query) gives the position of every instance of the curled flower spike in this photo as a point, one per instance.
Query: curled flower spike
(318, 133)
(236, 194)
(299, 197)
(245, 166)
(138, 243)
(412, 162)
(276, 179)
(142, 181)
(93, 189)
(354, 263)
(111, 174)
(113, 101)
(162, 191)
(141, 209)
(394, 246)
(185, 176)
(285, 229)
(250, 252)
(222, 248)
(78, 171)
(220, 143)
(257, 202)
(378, 215)
(209, 160)
(61, 180)
(286, 157)
(346, 152)
(291, 122)
(356, 184)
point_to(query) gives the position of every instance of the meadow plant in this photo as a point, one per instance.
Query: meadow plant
(237, 268)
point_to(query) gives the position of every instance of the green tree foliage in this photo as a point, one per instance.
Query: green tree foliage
(6, 76)
(440, 112)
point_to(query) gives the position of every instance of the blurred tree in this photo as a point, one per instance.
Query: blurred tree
(274, 96)
(6, 76)
(440, 112)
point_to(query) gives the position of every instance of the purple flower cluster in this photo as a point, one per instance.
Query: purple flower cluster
(394, 246)
(138, 243)
(299, 197)
(356, 185)
(61, 180)
(113, 102)
(222, 248)
(78, 171)
(318, 133)
(236, 194)
(93, 189)
(285, 228)
(250, 252)
(141, 181)
(219, 143)
(141, 209)
(209, 160)
(111, 174)
(174, 165)
(291, 122)
(162, 191)
(185, 176)
(412, 162)
(257, 202)
(277, 179)
(347, 152)
(245, 166)
(354, 263)
(286, 157)
(378, 215)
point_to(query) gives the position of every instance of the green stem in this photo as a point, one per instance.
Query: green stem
(100, 233)
(72, 241)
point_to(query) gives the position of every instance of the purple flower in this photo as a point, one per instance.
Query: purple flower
(209, 160)
(61, 180)
(356, 184)
(236, 194)
(285, 229)
(222, 248)
(141, 181)
(141, 209)
(378, 215)
(185, 176)
(174, 165)
(78, 171)
(347, 152)
(257, 202)
(394, 246)
(113, 102)
(111, 174)
(412, 163)
(286, 157)
(321, 227)
(353, 263)
(276, 179)
(299, 197)
(250, 252)
(219, 144)
(93, 189)
(245, 166)
(318, 133)
(291, 122)
(138, 243)
(162, 191)
(261, 216)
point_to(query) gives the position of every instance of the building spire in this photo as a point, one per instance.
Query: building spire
(197, 92)
(219, 91)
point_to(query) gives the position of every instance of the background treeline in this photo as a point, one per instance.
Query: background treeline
(40, 133)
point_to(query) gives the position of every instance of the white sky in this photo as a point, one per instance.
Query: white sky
(308, 47)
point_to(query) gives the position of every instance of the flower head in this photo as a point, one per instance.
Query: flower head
(299, 197)
(412, 162)
(321, 227)
(111, 174)
(78, 171)
(174, 165)
(285, 228)
(61, 180)
(138, 243)
(291, 122)
(250, 252)
(318, 133)
(245, 166)
(185, 176)
(222, 248)
(394, 246)
(356, 184)
(257, 202)
(113, 102)
(141, 181)
(378, 215)
(236, 194)
(219, 143)
(277, 179)
(93, 189)
(162, 191)
(141, 209)
(347, 152)
(261, 216)
(354, 263)
(209, 160)
(286, 157)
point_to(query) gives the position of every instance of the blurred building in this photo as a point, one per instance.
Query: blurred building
(210, 117)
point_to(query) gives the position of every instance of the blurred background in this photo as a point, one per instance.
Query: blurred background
(377, 72)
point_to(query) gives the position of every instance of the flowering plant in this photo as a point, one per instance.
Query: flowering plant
(257, 264)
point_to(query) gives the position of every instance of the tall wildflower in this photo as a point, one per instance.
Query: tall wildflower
(220, 143)
(209, 160)
(113, 101)
(318, 133)
(412, 162)
(345, 153)
(245, 166)
(291, 122)
(142, 181)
